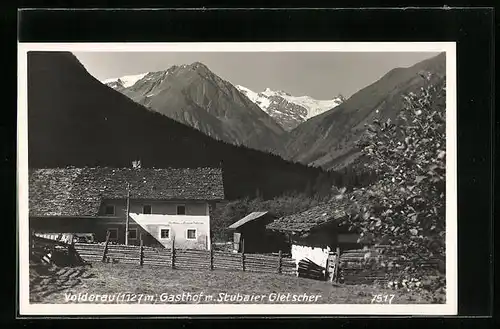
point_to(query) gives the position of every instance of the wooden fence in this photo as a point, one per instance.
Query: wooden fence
(353, 266)
(366, 266)
(361, 266)
(188, 259)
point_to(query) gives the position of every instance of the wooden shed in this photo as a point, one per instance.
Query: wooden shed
(316, 232)
(250, 234)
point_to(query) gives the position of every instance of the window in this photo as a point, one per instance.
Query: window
(146, 209)
(132, 234)
(165, 233)
(109, 210)
(113, 233)
(191, 234)
(181, 209)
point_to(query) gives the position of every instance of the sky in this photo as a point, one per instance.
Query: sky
(321, 75)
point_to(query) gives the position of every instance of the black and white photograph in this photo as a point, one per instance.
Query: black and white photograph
(221, 178)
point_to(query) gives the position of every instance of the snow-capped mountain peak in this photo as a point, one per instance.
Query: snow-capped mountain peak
(258, 98)
(195, 96)
(126, 80)
(289, 111)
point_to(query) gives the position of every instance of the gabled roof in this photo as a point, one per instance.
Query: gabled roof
(248, 218)
(305, 221)
(79, 191)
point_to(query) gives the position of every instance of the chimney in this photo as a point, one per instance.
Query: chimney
(136, 164)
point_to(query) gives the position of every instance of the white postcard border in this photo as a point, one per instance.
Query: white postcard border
(451, 306)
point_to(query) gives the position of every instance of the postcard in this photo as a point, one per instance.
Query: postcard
(175, 179)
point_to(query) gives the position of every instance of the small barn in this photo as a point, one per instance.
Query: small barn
(316, 232)
(250, 234)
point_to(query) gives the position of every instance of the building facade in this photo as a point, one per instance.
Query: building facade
(164, 206)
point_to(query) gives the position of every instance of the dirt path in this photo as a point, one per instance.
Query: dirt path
(45, 280)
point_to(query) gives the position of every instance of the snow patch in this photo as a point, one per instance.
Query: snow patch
(268, 92)
(313, 106)
(262, 102)
(127, 80)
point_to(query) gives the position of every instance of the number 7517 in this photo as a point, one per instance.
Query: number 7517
(382, 298)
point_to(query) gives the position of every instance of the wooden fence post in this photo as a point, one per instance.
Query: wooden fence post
(32, 239)
(173, 252)
(105, 251)
(327, 266)
(211, 259)
(141, 256)
(337, 264)
(243, 261)
(243, 254)
(280, 260)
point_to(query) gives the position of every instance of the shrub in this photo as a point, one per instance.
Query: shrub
(405, 208)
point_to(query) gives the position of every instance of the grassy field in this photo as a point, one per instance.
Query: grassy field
(148, 284)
